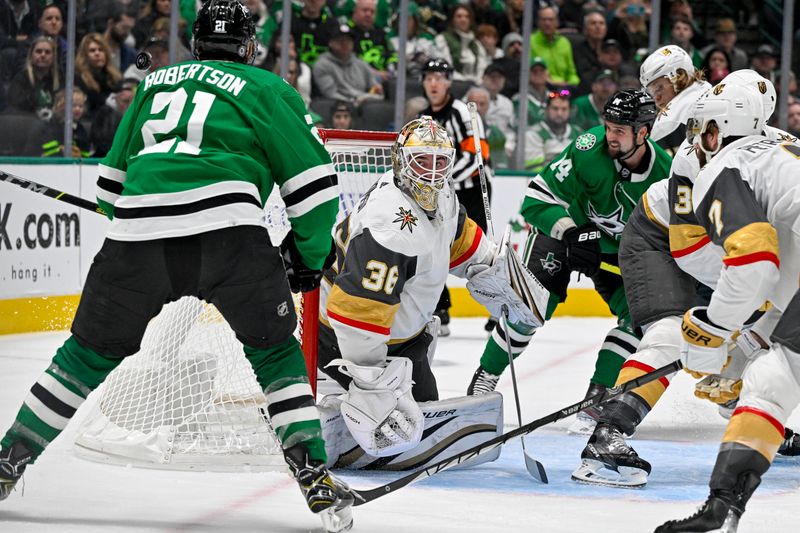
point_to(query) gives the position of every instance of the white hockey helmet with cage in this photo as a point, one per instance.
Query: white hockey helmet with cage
(734, 109)
(665, 63)
(753, 80)
(422, 159)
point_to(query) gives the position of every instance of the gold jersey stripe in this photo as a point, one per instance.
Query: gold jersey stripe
(361, 309)
(752, 429)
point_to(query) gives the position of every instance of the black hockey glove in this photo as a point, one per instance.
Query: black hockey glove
(301, 278)
(583, 249)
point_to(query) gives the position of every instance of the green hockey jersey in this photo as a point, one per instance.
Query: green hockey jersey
(202, 147)
(585, 184)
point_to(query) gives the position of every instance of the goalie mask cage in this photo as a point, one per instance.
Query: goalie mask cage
(189, 399)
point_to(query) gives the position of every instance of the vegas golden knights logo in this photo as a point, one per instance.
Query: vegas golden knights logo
(666, 52)
(762, 87)
(718, 88)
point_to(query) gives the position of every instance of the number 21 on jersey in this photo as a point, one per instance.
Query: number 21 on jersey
(175, 102)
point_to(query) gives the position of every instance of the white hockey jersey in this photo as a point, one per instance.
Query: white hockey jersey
(669, 128)
(747, 198)
(669, 204)
(392, 264)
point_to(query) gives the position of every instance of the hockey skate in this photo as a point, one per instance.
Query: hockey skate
(586, 420)
(13, 461)
(325, 495)
(609, 461)
(482, 382)
(716, 515)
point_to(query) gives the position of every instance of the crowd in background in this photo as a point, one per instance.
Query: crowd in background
(343, 61)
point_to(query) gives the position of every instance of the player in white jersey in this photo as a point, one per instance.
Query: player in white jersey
(669, 76)
(748, 201)
(663, 252)
(394, 252)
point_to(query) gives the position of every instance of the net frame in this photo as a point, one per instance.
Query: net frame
(189, 400)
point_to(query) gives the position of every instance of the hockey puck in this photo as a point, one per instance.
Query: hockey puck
(144, 60)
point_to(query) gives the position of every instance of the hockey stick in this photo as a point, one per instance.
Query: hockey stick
(51, 193)
(534, 467)
(366, 496)
(476, 139)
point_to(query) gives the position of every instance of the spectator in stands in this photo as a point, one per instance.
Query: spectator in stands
(538, 89)
(109, 116)
(587, 110)
(51, 23)
(501, 113)
(510, 63)
(554, 48)
(460, 48)
(487, 12)
(371, 43)
(33, 88)
(794, 118)
(158, 49)
(587, 52)
(495, 138)
(118, 29)
(264, 31)
(152, 10)
(419, 42)
(160, 31)
(681, 34)
(792, 87)
(629, 26)
(343, 10)
(18, 21)
(765, 61)
(94, 74)
(716, 65)
(52, 132)
(340, 75)
(511, 21)
(312, 28)
(725, 38)
(681, 9)
(547, 139)
(342, 115)
(298, 75)
(571, 14)
(487, 36)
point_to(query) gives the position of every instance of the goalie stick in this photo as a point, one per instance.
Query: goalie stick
(309, 298)
(366, 496)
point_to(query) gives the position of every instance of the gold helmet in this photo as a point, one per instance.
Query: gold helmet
(422, 158)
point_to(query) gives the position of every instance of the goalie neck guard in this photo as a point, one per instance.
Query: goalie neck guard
(422, 160)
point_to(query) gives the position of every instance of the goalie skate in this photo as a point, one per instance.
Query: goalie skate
(608, 460)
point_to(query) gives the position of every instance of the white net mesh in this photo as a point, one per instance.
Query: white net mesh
(189, 398)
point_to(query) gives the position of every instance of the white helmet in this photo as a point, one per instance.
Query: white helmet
(753, 80)
(665, 62)
(735, 109)
(422, 158)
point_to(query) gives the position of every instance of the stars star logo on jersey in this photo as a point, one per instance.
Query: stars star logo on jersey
(550, 264)
(406, 219)
(611, 224)
(585, 142)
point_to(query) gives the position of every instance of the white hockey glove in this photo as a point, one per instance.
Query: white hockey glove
(378, 408)
(507, 281)
(704, 345)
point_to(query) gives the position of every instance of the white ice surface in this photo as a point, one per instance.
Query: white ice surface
(63, 493)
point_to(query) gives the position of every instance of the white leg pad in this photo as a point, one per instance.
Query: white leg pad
(772, 383)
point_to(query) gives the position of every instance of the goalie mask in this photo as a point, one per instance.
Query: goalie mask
(422, 159)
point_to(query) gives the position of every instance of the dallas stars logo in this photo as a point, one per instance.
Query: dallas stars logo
(551, 264)
(406, 219)
(611, 224)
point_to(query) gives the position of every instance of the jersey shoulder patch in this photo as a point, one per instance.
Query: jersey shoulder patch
(585, 142)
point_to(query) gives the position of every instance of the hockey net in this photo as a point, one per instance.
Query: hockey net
(189, 398)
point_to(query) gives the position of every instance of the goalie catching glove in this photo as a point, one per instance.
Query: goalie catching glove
(378, 409)
(704, 345)
(508, 282)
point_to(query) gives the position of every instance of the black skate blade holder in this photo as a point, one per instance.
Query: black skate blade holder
(534, 467)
